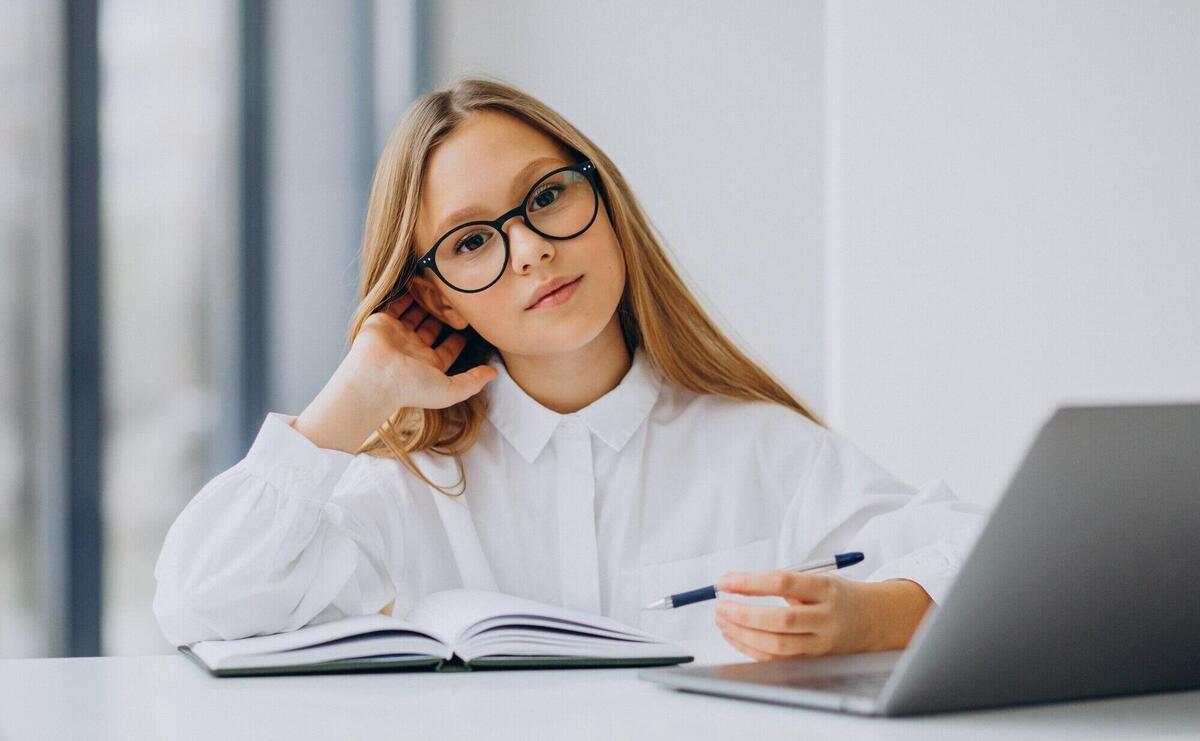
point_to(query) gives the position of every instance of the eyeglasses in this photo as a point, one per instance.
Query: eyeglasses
(561, 205)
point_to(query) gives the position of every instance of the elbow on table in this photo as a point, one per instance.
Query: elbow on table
(179, 622)
(191, 606)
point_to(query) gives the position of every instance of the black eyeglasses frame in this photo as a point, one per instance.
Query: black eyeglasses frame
(584, 166)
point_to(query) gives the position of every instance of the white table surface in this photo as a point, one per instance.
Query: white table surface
(168, 697)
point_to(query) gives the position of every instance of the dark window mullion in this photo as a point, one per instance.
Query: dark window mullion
(84, 392)
(253, 218)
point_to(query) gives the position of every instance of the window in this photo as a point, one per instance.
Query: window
(29, 310)
(138, 146)
(168, 123)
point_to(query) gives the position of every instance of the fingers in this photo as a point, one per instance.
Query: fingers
(413, 316)
(769, 644)
(776, 619)
(397, 307)
(751, 652)
(449, 350)
(428, 329)
(805, 587)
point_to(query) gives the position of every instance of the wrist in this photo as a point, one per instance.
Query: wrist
(342, 416)
(896, 607)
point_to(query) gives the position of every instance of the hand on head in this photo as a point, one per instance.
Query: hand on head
(393, 363)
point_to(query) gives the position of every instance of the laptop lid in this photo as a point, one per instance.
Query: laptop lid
(1085, 582)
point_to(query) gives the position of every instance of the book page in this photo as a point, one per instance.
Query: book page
(217, 653)
(528, 643)
(461, 614)
(372, 645)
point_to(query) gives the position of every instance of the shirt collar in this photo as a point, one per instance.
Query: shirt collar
(614, 417)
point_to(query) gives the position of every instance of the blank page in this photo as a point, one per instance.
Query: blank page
(466, 613)
(218, 653)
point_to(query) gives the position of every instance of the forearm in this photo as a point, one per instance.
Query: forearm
(250, 552)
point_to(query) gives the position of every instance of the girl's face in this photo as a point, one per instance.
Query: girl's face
(487, 165)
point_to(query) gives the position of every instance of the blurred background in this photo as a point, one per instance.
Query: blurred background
(935, 221)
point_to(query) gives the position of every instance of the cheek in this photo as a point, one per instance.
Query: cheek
(617, 262)
(486, 312)
(605, 269)
(606, 263)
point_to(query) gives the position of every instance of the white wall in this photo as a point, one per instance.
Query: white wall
(713, 111)
(1009, 194)
(1014, 221)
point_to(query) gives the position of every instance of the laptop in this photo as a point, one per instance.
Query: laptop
(1085, 582)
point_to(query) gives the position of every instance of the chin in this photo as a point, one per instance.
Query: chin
(565, 333)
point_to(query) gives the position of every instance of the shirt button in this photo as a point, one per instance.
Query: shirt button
(571, 427)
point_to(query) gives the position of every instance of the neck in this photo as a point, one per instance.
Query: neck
(567, 382)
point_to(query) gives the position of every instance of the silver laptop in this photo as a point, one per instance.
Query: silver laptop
(1085, 582)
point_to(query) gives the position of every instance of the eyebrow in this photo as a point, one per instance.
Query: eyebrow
(463, 214)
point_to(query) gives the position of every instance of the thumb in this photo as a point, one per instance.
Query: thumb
(464, 385)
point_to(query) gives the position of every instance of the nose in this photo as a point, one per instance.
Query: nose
(528, 248)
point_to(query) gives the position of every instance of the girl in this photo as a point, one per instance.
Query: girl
(533, 402)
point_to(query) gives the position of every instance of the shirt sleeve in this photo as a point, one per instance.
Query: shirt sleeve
(290, 535)
(847, 502)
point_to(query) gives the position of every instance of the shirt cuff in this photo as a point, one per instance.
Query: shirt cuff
(292, 463)
(929, 566)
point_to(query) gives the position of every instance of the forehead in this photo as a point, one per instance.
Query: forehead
(474, 168)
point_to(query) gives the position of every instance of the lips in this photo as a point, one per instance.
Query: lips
(550, 287)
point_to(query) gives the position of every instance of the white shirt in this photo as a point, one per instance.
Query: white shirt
(648, 491)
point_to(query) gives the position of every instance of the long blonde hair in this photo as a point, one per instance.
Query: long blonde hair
(657, 311)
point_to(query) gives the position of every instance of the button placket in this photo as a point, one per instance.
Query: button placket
(575, 498)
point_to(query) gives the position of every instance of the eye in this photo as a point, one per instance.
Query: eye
(546, 196)
(471, 242)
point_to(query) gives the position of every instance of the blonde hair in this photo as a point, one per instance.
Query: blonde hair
(657, 311)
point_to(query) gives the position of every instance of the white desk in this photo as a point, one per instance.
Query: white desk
(168, 697)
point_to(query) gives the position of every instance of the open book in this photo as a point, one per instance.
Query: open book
(452, 630)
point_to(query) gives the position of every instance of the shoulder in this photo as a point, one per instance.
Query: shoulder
(751, 421)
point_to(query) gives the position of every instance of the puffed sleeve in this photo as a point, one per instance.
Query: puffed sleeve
(847, 502)
(290, 535)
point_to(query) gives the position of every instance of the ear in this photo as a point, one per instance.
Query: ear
(430, 297)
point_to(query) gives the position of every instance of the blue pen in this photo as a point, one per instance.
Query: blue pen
(840, 561)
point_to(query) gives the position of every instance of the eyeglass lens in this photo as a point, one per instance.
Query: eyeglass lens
(559, 205)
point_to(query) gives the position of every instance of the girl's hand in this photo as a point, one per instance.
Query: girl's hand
(396, 348)
(392, 363)
(825, 614)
